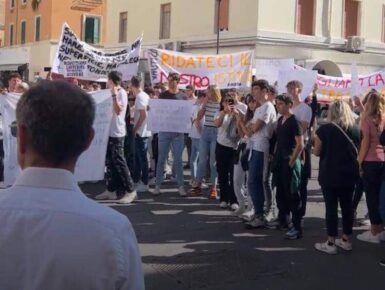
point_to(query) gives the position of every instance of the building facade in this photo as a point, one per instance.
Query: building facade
(33, 27)
(2, 21)
(319, 34)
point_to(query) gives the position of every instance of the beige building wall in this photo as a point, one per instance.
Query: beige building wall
(2, 22)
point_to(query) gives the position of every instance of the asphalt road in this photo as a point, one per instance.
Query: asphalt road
(190, 243)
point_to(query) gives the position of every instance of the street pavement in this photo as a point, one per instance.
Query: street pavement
(190, 243)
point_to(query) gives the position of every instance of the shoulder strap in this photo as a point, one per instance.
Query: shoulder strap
(347, 137)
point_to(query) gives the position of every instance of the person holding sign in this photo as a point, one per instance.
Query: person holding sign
(119, 181)
(303, 113)
(174, 140)
(52, 236)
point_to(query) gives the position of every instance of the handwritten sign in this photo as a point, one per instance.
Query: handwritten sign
(225, 70)
(75, 58)
(170, 116)
(268, 69)
(90, 166)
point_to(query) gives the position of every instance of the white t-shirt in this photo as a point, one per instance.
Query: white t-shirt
(141, 103)
(222, 132)
(194, 133)
(260, 140)
(118, 122)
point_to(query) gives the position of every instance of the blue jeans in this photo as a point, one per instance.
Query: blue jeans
(141, 164)
(382, 200)
(255, 181)
(207, 145)
(194, 157)
(175, 141)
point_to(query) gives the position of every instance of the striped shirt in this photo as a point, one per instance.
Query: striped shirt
(212, 109)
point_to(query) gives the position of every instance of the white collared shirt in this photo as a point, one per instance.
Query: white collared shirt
(53, 237)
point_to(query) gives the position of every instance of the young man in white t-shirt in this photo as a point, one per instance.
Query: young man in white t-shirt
(303, 113)
(141, 134)
(119, 181)
(261, 129)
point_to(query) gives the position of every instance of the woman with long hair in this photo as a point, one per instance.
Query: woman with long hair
(371, 161)
(241, 159)
(336, 144)
(210, 107)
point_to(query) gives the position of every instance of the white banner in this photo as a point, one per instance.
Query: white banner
(224, 70)
(268, 69)
(90, 166)
(307, 77)
(75, 58)
(170, 115)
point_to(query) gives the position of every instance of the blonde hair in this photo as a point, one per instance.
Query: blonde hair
(341, 114)
(215, 93)
(375, 107)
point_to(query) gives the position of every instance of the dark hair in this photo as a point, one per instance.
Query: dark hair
(136, 81)
(285, 98)
(295, 83)
(262, 84)
(189, 87)
(174, 76)
(14, 75)
(272, 90)
(149, 91)
(58, 117)
(95, 86)
(115, 77)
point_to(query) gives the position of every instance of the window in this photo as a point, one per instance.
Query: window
(11, 35)
(224, 9)
(23, 31)
(123, 27)
(12, 4)
(165, 21)
(37, 28)
(351, 18)
(91, 29)
(305, 17)
(383, 23)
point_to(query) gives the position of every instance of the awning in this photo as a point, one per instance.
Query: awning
(10, 67)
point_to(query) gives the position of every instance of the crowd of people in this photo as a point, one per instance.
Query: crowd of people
(252, 151)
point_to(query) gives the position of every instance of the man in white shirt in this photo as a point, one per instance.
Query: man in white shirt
(51, 235)
(303, 113)
(141, 135)
(14, 83)
(119, 181)
(261, 129)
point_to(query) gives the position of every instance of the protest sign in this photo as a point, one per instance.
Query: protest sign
(306, 77)
(75, 58)
(90, 166)
(224, 70)
(268, 69)
(170, 115)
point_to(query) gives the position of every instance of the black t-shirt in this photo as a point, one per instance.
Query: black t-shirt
(170, 96)
(338, 166)
(286, 133)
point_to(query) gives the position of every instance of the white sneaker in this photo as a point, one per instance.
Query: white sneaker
(248, 215)
(204, 185)
(223, 204)
(345, 245)
(129, 197)
(182, 191)
(271, 216)
(326, 248)
(107, 195)
(234, 206)
(240, 211)
(156, 191)
(151, 182)
(369, 237)
(256, 223)
(142, 187)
